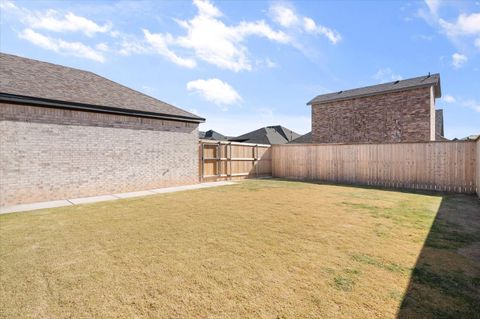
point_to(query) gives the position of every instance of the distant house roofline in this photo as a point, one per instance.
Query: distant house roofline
(273, 134)
(395, 86)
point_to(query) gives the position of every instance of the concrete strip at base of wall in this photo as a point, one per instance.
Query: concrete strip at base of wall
(102, 198)
(34, 206)
(93, 199)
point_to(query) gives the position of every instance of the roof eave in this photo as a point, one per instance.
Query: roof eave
(35, 101)
(438, 93)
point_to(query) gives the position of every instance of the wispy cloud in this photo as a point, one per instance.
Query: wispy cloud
(384, 75)
(468, 103)
(216, 91)
(55, 21)
(217, 43)
(463, 31)
(449, 99)
(52, 20)
(160, 44)
(205, 37)
(472, 104)
(458, 60)
(61, 46)
(285, 15)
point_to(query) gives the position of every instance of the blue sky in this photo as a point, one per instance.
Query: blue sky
(244, 65)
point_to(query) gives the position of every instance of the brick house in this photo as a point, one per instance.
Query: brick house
(67, 133)
(400, 111)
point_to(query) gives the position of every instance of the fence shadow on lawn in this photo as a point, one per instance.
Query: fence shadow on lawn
(445, 282)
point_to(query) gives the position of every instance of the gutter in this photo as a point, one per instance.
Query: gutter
(41, 102)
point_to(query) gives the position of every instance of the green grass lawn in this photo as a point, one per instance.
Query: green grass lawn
(258, 249)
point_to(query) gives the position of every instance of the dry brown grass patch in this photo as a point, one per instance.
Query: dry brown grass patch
(259, 249)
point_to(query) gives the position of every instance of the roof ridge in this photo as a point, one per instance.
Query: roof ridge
(380, 88)
(87, 87)
(100, 76)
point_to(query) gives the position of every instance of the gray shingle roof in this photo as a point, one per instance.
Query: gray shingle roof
(304, 139)
(212, 135)
(41, 80)
(421, 81)
(268, 135)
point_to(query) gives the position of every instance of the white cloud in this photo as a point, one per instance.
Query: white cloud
(205, 8)
(466, 24)
(216, 91)
(458, 60)
(312, 27)
(7, 5)
(160, 44)
(214, 42)
(127, 44)
(464, 29)
(384, 75)
(54, 21)
(51, 20)
(270, 64)
(433, 6)
(471, 104)
(206, 37)
(286, 16)
(462, 102)
(102, 47)
(449, 99)
(64, 47)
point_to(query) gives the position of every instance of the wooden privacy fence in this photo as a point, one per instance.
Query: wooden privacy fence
(228, 160)
(442, 166)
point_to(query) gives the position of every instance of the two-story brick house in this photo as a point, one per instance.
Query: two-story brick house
(400, 111)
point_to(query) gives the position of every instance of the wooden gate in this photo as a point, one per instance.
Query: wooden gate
(223, 160)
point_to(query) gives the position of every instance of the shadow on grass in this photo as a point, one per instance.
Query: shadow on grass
(445, 282)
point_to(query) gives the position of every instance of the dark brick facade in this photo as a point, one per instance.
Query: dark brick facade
(403, 116)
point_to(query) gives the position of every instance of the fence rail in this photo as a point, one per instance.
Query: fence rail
(442, 166)
(221, 160)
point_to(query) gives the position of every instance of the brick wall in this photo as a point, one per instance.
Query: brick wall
(392, 117)
(49, 154)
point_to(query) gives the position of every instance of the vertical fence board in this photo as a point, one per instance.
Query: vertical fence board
(443, 166)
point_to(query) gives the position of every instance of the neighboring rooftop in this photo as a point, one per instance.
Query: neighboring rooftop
(421, 81)
(268, 135)
(30, 81)
(472, 137)
(212, 135)
(304, 139)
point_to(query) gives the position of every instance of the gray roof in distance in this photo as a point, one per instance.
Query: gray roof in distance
(304, 139)
(36, 81)
(421, 81)
(212, 135)
(268, 135)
